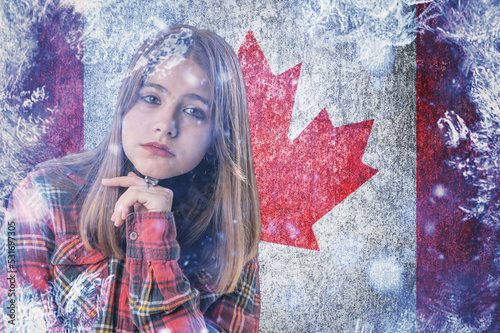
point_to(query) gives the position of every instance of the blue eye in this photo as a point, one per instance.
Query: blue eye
(150, 99)
(195, 113)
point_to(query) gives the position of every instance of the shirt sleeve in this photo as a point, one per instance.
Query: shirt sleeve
(27, 243)
(161, 296)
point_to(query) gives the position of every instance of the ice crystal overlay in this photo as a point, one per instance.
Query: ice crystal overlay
(470, 303)
(83, 290)
(25, 113)
(36, 311)
(32, 315)
(357, 62)
(459, 311)
(20, 127)
(172, 51)
(369, 31)
(475, 27)
(374, 28)
(453, 129)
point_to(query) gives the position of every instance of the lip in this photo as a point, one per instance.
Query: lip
(158, 149)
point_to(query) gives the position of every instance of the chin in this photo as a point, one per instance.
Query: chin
(159, 175)
(153, 172)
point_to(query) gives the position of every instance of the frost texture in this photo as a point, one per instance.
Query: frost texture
(334, 67)
(470, 303)
(36, 311)
(459, 311)
(374, 27)
(25, 114)
(21, 128)
(84, 289)
(173, 49)
(475, 27)
(32, 315)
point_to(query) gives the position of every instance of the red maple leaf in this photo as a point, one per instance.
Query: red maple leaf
(299, 181)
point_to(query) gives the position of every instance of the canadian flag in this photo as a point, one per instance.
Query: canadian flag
(375, 133)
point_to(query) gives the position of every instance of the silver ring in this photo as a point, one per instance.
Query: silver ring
(150, 181)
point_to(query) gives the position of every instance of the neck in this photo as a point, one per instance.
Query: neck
(179, 185)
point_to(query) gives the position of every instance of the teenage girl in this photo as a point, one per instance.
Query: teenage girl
(155, 230)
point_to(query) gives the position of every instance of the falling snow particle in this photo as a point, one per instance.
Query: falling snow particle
(385, 274)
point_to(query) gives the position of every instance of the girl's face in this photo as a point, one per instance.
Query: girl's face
(167, 132)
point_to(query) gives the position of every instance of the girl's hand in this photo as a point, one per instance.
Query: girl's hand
(155, 198)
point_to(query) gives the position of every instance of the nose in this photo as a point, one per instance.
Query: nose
(166, 122)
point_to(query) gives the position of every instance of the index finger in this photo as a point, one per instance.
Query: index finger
(125, 181)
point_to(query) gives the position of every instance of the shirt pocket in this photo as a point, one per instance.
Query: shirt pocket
(77, 283)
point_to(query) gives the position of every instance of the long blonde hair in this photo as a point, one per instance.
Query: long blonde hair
(230, 217)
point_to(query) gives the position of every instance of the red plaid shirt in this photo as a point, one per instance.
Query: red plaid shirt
(60, 286)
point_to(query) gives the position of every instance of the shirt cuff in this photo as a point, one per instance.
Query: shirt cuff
(151, 236)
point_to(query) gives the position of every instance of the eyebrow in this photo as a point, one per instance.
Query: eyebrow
(165, 90)
(198, 98)
(156, 86)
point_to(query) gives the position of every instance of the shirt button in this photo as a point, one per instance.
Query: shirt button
(133, 235)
